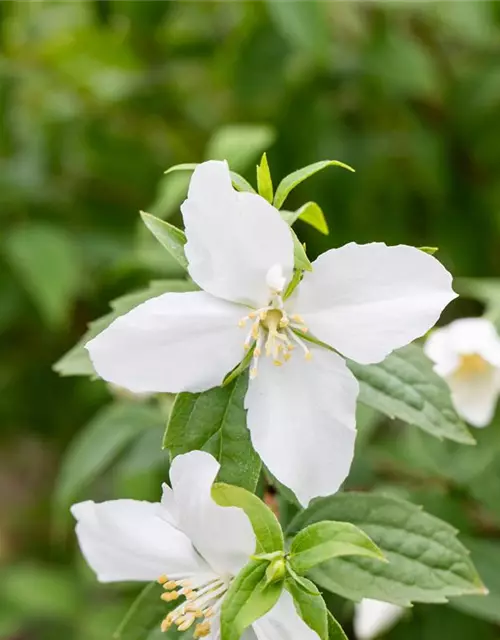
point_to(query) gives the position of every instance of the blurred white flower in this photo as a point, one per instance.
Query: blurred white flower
(466, 354)
(362, 300)
(374, 617)
(191, 545)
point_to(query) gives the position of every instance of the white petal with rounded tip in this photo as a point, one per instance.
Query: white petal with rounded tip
(222, 535)
(475, 395)
(301, 418)
(474, 336)
(233, 238)
(367, 300)
(439, 349)
(175, 342)
(283, 623)
(373, 617)
(129, 540)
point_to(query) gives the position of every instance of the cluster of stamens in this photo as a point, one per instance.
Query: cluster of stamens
(273, 332)
(200, 604)
(472, 364)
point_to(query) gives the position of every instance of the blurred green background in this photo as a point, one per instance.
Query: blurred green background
(97, 99)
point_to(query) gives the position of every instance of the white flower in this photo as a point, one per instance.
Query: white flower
(466, 354)
(191, 545)
(362, 300)
(374, 617)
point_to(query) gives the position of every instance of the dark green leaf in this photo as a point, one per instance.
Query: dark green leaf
(404, 386)
(215, 421)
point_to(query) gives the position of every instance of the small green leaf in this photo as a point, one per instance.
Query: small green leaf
(215, 421)
(322, 541)
(293, 179)
(335, 631)
(264, 181)
(276, 570)
(238, 181)
(310, 213)
(310, 606)
(300, 256)
(266, 527)
(293, 284)
(302, 582)
(430, 250)
(239, 368)
(426, 561)
(145, 614)
(172, 238)
(248, 599)
(404, 386)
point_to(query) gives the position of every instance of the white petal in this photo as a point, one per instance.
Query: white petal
(129, 540)
(175, 342)
(475, 395)
(283, 623)
(439, 349)
(373, 617)
(233, 238)
(301, 418)
(367, 300)
(222, 535)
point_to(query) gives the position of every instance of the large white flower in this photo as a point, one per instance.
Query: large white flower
(191, 545)
(466, 354)
(374, 617)
(362, 300)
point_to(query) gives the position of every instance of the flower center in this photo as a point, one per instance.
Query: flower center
(201, 603)
(471, 364)
(273, 332)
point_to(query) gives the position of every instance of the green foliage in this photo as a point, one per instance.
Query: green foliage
(311, 607)
(249, 597)
(426, 562)
(265, 525)
(215, 421)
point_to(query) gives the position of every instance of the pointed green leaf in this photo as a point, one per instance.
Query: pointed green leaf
(335, 631)
(240, 368)
(430, 250)
(238, 181)
(426, 562)
(310, 213)
(293, 179)
(310, 606)
(172, 238)
(248, 599)
(215, 421)
(300, 256)
(404, 386)
(322, 541)
(266, 527)
(264, 181)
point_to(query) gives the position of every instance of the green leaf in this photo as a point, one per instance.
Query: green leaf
(293, 179)
(99, 443)
(300, 256)
(310, 213)
(293, 284)
(238, 181)
(322, 541)
(170, 237)
(426, 562)
(404, 386)
(248, 599)
(240, 367)
(47, 262)
(310, 606)
(239, 144)
(266, 527)
(144, 616)
(335, 631)
(76, 362)
(215, 421)
(430, 250)
(264, 181)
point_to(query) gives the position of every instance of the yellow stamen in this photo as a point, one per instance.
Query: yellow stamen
(162, 579)
(201, 630)
(472, 363)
